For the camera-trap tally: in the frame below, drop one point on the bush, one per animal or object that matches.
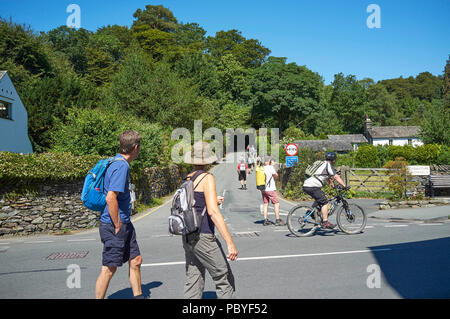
(95, 131)
(400, 179)
(26, 170)
(366, 156)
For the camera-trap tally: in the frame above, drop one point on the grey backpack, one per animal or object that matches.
(184, 220)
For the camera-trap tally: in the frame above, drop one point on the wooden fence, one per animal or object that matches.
(365, 179)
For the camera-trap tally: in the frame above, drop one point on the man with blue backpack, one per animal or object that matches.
(116, 230)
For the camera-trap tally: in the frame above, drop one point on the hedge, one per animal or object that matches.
(26, 170)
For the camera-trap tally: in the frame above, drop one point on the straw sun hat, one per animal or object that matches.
(200, 154)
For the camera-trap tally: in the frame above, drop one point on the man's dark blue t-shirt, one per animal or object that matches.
(116, 179)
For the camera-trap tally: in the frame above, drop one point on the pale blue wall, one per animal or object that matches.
(13, 133)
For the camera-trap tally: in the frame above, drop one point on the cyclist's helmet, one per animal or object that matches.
(330, 156)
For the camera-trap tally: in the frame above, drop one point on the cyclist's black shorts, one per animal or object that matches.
(317, 194)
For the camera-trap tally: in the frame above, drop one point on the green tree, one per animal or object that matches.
(435, 127)
(156, 17)
(249, 52)
(283, 94)
(72, 43)
(48, 100)
(347, 101)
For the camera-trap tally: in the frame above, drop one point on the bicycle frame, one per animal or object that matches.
(335, 201)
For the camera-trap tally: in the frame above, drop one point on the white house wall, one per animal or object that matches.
(397, 141)
(14, 132)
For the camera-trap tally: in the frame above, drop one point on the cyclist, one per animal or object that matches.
(313, 185)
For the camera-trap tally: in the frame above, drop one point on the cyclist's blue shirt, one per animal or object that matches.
(116, 180)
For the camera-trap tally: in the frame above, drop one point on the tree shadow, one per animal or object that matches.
(127, 293)
(417, 269)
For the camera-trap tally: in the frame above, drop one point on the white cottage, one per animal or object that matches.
(13, 119)
(392, 135)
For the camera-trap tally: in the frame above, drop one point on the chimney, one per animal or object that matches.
(368, 128)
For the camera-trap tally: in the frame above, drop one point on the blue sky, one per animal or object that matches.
(328, 36)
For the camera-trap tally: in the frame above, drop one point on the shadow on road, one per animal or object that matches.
(417, 269)
(128, 293)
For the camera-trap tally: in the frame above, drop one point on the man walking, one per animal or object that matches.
(116, 230)
(270, 193)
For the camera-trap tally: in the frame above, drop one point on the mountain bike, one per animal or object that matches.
(303, 221)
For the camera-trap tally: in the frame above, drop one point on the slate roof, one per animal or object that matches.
(323, 145)
(351, 138)
(394, 131)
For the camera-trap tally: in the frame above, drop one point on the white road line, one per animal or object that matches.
(281, 256)
(39, 242)
(81, 239)
(431, 224)
(4, 243)
(393, 226)
(369, 227)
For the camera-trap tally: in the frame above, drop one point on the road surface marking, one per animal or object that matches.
(4, 243)
(81, 239)
(393, 226)
(431, 224)
(281, 256)
(39, 242)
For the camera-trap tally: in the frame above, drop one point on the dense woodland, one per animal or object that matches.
(81, 88)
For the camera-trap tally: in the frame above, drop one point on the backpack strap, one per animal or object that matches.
(194, 177)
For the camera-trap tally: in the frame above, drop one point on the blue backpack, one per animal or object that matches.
(92, 195)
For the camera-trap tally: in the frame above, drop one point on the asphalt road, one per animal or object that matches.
(389, 260)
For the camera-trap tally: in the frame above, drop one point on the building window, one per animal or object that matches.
(5, 110)
(390, 141)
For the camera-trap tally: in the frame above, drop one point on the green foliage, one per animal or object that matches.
(436, 124)
(48, 100)
(400, 179)
(97, 131)
(282, 93)
(25, 170)
(156, 17)
(366, 156)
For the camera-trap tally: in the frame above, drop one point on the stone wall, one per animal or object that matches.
(412, 203)
(56, 208)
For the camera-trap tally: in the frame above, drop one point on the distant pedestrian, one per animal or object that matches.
(242, 170)
(251, 163)
(203, 251)
(269, 194)
(116, 230)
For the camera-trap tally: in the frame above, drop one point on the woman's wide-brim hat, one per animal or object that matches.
(200, 154)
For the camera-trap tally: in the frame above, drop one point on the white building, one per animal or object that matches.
(392, 135)
(13, 119)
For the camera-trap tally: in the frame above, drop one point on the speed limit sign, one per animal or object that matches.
(291, 149)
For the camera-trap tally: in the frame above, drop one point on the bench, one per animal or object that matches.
(438, 181)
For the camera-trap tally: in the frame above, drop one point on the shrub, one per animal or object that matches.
(18, 171)
(400, 179)
(366, 156)
(95, 131)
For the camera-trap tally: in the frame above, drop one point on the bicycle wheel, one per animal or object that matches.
(300, 223)
(352, 221)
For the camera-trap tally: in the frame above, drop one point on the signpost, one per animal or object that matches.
(291, 151)
(419, 170)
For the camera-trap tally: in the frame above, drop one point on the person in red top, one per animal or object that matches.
(243, 172)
